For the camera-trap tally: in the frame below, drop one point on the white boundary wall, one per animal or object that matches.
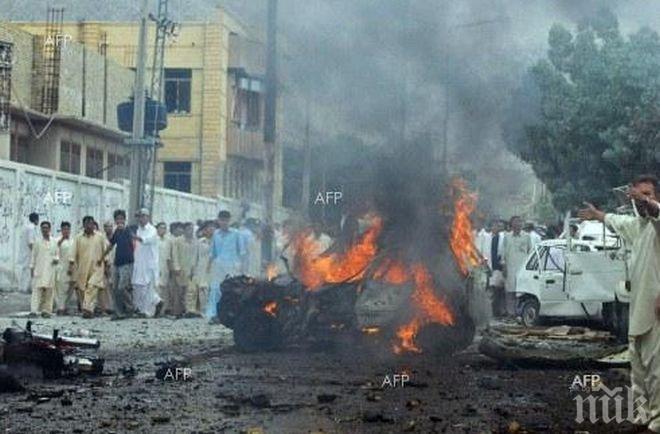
(59, 196)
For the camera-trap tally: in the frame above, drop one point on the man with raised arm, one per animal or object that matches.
(641, 233)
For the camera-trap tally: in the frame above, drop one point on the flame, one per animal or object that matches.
(406, 334)
(429, 308)
(462, 239)
(271, 308)
(393, 272)
(314, 270)
(271, 272)
(424, 297)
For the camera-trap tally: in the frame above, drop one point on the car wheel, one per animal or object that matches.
(529, 312)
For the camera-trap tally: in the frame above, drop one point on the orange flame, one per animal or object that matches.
(271, 308)
(429, 309)
(462, 240)
(393, 272)
(271, 272)
(314, 271)
(433, 308)
(406, 334)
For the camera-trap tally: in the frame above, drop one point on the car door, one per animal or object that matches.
(552, 264)
(594, 276)
(527, 279)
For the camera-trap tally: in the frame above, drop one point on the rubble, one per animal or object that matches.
(550, 346)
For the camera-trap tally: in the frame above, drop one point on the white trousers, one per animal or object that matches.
(145, 298)
(644, 353)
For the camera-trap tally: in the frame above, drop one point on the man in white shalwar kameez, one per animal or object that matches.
(29, 234)
(517, 245)
(145, 267)
(534, 236)
(65, 282)
(641, 233)
(43, 266)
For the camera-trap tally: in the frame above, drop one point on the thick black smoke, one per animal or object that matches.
(390, 71)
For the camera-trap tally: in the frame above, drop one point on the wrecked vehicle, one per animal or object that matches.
(272, 315)
(53, 355)
(576, 279)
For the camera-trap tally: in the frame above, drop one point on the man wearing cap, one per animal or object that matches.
(145, 267)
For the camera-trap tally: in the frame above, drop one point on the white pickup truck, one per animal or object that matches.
(579, 278)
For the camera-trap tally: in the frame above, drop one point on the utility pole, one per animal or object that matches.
(270, 123)
(164, 29)
(445, 133)
(137, 142)
(307, 165)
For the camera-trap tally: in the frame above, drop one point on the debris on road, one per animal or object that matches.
(9, 383)
(561, 345)
(54, 355)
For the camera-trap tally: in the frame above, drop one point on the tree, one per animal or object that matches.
(595, 108)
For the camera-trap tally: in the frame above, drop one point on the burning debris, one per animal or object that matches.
(401, 282)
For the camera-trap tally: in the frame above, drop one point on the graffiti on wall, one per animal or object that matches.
(58, 198)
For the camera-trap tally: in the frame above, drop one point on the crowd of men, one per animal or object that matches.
(141, 270)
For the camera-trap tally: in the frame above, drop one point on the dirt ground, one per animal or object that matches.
(338, 391)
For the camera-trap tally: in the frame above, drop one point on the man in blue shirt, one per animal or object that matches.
(227, 257)
(122, 242)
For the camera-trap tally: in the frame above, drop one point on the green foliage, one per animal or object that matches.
(596, 119)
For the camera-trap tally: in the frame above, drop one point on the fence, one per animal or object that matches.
(59, 196)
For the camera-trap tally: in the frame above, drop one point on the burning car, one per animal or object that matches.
(375, 289)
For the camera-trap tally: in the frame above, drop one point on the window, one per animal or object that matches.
(118, 166)
(94, 163)
(70, 157)
(177, 176)
(554, 260)
(177, 90)
(533, 263)
(19, 150)
(246, 112)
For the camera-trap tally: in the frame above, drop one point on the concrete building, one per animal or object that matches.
(73, 129)
(213, 88)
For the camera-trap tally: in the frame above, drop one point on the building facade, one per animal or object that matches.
(214, 93)
(62, 106)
